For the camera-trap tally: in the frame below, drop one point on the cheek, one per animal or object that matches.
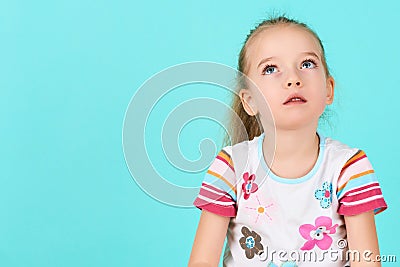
(268, 97)
(317, 83)
(322, 101)
(269, 107)
(264, 100)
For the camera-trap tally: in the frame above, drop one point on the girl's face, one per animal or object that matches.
(285, 64)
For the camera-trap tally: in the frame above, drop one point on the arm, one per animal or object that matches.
(209, 240)
(361, 236)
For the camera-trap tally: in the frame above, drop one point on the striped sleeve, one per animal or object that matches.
(358, 188)
(218, 192)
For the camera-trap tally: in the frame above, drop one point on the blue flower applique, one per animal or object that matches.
(324, 195)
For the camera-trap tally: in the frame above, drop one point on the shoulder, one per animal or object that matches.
(247, 151)
(346, 156)
(357, 186)
(243, 149)
(342, 160)
(336, 146)
(338, 152)
(241, 155)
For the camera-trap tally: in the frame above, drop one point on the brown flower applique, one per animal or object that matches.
(251, 243)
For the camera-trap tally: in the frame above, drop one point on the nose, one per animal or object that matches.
(289, 84)
(293, 80)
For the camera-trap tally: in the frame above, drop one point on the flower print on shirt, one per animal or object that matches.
(251, 243)
(260, 210)
(249, 186)
(318, 234)
(324, 195)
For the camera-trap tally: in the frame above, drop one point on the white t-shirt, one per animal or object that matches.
(289, 222)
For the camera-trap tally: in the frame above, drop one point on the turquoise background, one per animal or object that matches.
(68, 70)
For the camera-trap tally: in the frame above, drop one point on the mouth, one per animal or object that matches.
(295, 99)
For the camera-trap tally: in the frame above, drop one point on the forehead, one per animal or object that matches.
(282, 41)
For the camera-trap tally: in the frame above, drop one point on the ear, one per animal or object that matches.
(247, 102)
(330, 90)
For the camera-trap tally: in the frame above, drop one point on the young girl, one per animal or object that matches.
(289, 196)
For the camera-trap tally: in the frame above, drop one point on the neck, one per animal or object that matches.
(283, 146)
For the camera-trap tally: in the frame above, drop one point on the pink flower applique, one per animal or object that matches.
(318, 234)
(249, 186)
(260, 210)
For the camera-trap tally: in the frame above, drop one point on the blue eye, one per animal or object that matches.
(308, 64)
(269, 69)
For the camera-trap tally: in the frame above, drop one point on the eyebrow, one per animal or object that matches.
(303, 53)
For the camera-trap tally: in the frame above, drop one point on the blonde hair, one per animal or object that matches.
(252, 126)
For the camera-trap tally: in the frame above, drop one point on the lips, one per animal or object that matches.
(295, 99)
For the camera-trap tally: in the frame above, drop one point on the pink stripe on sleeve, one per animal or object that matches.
(226, 211)
(362, 195)
(216, 201)
(376, 204)
(215, 196)
(362, 199)
(362, 188)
